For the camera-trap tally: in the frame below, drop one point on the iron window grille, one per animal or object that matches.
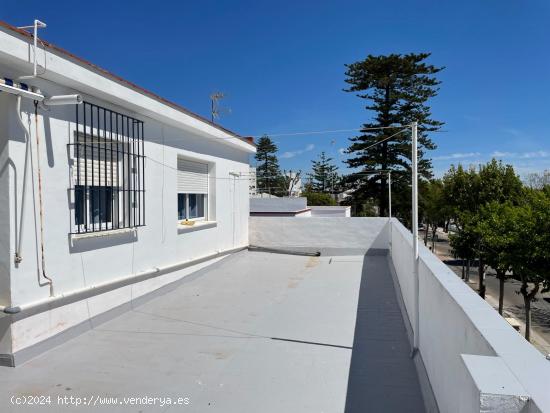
(108, 171)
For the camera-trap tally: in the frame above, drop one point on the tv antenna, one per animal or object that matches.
(215, 108)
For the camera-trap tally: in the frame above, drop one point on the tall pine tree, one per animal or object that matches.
(268, 174)
(324, 176)
(397, 88)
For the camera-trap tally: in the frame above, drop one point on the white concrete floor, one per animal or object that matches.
(224, 341)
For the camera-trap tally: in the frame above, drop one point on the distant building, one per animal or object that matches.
(253, 190)
(295, 186)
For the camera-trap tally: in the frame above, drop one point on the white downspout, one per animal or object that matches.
(50, 281)
(18, 257)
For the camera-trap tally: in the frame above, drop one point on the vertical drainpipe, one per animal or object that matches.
(40, 200)
(18, 257)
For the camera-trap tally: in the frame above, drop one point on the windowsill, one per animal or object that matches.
(197, 226)
(107, 233)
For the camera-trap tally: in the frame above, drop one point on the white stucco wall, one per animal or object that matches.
(330, 211)
(455, 321)
(74, 264)
(275, 205)
(346, 235)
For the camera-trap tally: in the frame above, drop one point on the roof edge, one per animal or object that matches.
(123, 81)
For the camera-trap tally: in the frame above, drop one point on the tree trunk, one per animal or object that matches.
(527, 303)
(467, 270)
(481, 274)
(434, 233)
(463, 275)
(500, 277)
(426, 235)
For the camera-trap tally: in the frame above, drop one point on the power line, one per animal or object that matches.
(385, 139)
(319, 132)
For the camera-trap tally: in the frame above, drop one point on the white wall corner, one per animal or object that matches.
(490, 386)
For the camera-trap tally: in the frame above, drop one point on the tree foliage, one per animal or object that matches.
(397, 88)
(502, 224)
(268, 174)
(319, 199)
(324, 176)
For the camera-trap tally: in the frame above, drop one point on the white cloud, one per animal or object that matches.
(521, 155)
(537, 154)
(499, 154)
(292, 154)
(458, 155)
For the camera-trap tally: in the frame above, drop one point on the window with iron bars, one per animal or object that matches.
(108, 171)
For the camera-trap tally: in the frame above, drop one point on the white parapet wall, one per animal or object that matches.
(339, 235)
(330, 211)
(474, 359)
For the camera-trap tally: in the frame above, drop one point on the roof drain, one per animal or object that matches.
(283, 251)
(41, 208)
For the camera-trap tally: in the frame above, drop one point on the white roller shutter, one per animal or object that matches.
(192, 177)
(94, 163)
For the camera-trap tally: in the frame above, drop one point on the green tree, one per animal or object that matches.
(497, 229)
(532, 249)
(432, 207)
(318, 199)
(464, 244)
(268, 174)
(497, 183)
(460, 192)
(397, 88)
(324, 176)
(468, 191)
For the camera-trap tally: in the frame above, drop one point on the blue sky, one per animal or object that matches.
(281, 65)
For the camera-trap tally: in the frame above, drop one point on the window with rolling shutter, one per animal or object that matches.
(95, 162)
(192, 177)
(192, 188)
(108, 166)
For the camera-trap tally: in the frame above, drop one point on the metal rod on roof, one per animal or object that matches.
(414, 156)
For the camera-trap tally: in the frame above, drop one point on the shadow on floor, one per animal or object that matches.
(382, 376)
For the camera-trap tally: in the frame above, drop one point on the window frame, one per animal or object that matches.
(106, 144)
(187, 217)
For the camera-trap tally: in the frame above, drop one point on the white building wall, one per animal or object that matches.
(330, 211)
(73, 263)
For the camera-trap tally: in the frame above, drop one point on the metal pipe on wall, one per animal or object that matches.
(40, 203)
(18, 257)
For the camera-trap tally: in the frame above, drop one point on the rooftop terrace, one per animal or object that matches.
(255, 332)
(271, 332)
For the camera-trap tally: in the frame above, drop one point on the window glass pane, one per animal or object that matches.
(94, 205)
(107, 204)
(79, 202)
(196, 205)
(200, 205)
(101, 198)
(181, 206)
(192, 205)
